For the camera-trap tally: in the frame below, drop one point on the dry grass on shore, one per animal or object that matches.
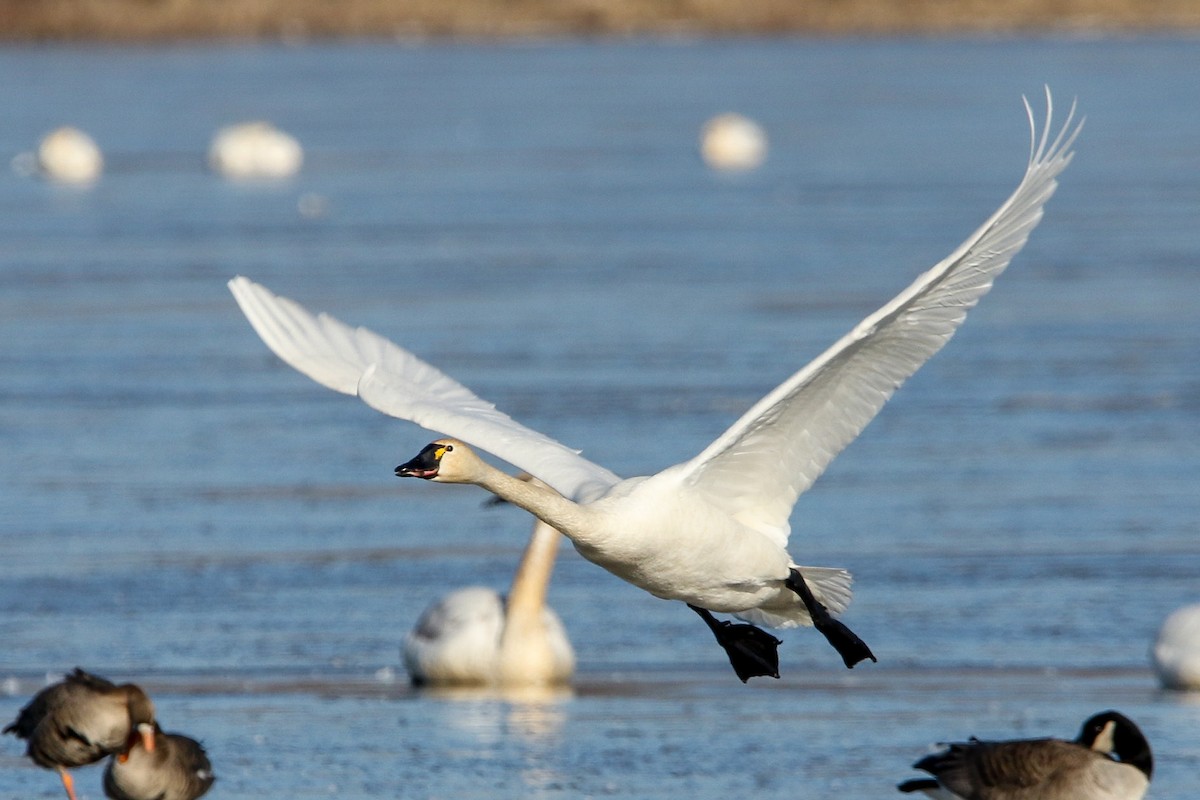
(134, 20)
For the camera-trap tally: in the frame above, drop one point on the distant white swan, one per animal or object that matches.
(254, 150)
(733, 142)
(1109, 760)
(476, 637)
(711, 531)
(1176, 652)
(68, 155)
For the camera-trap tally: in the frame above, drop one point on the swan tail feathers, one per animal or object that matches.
(830, 585)
(831, 588)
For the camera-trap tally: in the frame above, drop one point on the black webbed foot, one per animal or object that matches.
(851, 648)
(752, 651)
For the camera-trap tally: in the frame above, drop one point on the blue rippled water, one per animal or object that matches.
(183, 510)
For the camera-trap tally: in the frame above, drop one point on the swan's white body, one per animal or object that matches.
(1176, 652)
(475, 637)
(711, 531)
(254, 150)
(68, 155)
(733, 142)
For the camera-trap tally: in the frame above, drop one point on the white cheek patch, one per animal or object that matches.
(1105, 742)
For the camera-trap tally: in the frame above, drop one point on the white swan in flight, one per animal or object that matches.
(711, 531)
(476, 637)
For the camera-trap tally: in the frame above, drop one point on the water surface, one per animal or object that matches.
(183, 510)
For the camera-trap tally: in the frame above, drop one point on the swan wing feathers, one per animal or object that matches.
(760, 466)
(415, 396)
(388, 378)
(330, 352)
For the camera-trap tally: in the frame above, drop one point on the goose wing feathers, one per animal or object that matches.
(357, 361)
(1008, 769)
(775, 451)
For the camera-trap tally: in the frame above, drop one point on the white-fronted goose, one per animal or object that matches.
(177, 769)
(82, 719)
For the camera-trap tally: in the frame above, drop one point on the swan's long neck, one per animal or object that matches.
(531, 651)
(527, 653)
(539, 500)
(527, 596)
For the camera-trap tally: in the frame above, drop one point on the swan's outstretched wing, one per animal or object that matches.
(760, 466)
(395, 382)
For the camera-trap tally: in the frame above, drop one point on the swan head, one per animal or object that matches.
(446, 461)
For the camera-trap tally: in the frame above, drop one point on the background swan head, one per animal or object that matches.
(444, 461)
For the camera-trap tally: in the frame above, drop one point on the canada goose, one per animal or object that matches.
(711, 531)
(1176, 652)
(176, 769)
(82, 719)
(732, 142)
(254, 150)
(1110, 760)
(68, 155)
(475, 637)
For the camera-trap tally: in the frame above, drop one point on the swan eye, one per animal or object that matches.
(441, 451)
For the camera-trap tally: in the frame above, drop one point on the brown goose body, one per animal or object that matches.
(1110, 760)
(178, 769)
(80, 720)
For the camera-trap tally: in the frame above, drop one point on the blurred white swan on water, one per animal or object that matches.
(68, 155)
(732, 142)
(476, 637)
(712, 531)
(254, 150)
(1176, 650)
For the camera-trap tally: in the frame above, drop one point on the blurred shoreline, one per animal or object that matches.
(165, 20)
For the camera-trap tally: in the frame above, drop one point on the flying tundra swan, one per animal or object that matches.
(475, 637)
(1109, 760)
(711, 531)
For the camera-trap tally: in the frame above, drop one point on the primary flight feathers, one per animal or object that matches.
(775, 451)
(357, 361)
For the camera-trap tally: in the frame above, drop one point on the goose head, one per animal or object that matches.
(445, 461)
(1115, 735)
(141, 720)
